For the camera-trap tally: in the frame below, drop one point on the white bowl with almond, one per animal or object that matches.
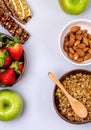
(75, 42)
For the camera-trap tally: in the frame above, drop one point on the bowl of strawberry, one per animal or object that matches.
(12, 60)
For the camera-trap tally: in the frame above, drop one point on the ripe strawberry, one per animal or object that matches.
(18, 66)
(5, 58)
(7, 62)
(8, 77)
(21, 67)
(16, 51)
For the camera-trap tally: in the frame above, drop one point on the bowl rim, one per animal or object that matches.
(24, 65)
(75, 71)
(59, 38)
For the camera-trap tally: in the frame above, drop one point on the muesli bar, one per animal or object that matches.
(12, 26)
(18, 9)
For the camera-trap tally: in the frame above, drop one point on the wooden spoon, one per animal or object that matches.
(79, 109)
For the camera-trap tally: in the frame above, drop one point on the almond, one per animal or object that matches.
(78, 37)
(66, 43)
(78, 32)
(74, 48)
(89, 42)
(66, 39)
(85, 49)
(80, 59)
(71, 43)
(66, 48)
(75, 56)
(87, 57)
(85, 40)
(85, 35)
(89, 36)
(77, 42)
(71, 50)
(89, 51)
(81, 46)
(70, 55)
(72, 37)
(80, 52)
(84, 31)
(75, 28)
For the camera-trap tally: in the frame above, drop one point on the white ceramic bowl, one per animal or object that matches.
(84, 24)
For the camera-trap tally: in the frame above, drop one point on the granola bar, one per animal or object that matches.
(18, 9)
(12, 26)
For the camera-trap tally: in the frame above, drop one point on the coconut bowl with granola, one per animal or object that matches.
(78, 84)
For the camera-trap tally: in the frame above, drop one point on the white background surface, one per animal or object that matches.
(43, 55)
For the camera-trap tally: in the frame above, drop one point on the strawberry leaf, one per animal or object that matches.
(2, 70)
(13, 42)
(2, 36)
(1, 62)
(15, 65)
(5, 54)
(16, 39)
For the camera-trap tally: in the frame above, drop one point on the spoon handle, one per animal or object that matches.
(53, 77)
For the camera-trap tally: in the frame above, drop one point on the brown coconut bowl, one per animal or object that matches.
(22, 59)
(56, 102)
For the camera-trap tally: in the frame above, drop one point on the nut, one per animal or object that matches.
(89, 51)
(77, 44)
(85, 49)
(84, 31)
(78, 37)
(87, 57)
(89, 36)
(70, 55)
(85, 40)
(75, 28)
(80, 52)
(80, 59)
(71, 50)
(81, 46)
(75, 56)
(78, 32)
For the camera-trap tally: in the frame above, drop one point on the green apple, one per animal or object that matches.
(74, 6)
(11, 105)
